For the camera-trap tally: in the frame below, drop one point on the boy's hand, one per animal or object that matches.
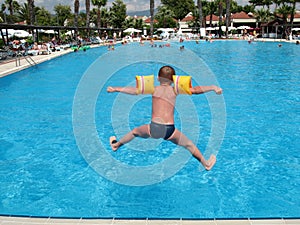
(218, 90)
(111, 89)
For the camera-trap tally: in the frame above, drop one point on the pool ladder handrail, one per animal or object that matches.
(26, 57)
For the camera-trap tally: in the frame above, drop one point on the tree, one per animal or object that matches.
(31, 12)
(195, 23)
(165, 17)
(81, 19)
(246, 9)
(284, 11)
(151, 17)
(180, 7)
(3, 14)
(133, 22)
(227, 16)
(12, 6)
(63, 12)
(99, 4)
(220, 17)
(87, 9)
(117, 13)
(293, 10)
(23, 13)
(263, 15)
(200, 12)
(43, 17)
(256, 2)
(76, 13)
(212, 9)
(105, 17)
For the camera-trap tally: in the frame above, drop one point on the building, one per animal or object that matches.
(243, 19)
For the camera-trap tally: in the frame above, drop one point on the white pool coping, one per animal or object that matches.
(10, 220)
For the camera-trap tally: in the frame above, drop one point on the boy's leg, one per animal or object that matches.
(142, 131)
(180, 139)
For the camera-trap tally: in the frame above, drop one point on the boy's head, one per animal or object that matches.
(165, 74)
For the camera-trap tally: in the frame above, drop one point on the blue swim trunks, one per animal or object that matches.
(164, 131)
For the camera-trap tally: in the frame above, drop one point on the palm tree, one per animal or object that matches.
(76, 12)
(293, 11)
(105, 15)
(23, 13)
(87, 8)
(220, 17)
(256, 2)
(3, 8)
(284, 11)
(31, 16)
(164, 16)
(43, 16)
(151, 17)
(12, 6)
(268, 3)
(212, 8)
(227, 16)
(200, 11)
(99, 4)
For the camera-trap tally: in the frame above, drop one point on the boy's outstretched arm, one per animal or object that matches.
(126, 90)
(204, 89)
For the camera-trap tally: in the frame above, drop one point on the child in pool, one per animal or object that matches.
(162, 122)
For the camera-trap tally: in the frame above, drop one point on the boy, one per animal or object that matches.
(162, 121)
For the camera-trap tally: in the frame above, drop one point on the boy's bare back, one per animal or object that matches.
(163, 104)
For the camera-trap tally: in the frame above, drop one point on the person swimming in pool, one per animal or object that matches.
(162, 121)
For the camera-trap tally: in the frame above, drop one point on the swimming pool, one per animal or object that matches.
(45, 172)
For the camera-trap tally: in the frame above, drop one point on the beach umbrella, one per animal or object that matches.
(243, 27)
(21, 33)
(132, 30)
(229, 28)
(50, 32)
(210, 28)
(69, 33)
(166, 29)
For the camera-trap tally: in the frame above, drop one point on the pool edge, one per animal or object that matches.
(18, 220)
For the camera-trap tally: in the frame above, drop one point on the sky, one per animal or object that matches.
(132, 5)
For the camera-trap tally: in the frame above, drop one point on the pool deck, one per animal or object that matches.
(46, 221)
(16, 64)
(9, 66)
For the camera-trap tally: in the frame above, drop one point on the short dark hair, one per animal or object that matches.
(166, 72)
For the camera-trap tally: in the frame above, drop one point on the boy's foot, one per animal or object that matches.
(112, 142)
(210, 162)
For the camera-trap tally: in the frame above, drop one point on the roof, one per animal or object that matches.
(214, 18)
(241, 15)
(187, 19)
(148, 20)
(296, 15)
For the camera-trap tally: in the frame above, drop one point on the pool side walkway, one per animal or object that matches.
(16, 64)
(47, 221)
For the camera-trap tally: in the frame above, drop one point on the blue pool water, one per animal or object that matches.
(55, 159)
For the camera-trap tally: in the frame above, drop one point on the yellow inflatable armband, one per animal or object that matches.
(182, 84)
(145, 84)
